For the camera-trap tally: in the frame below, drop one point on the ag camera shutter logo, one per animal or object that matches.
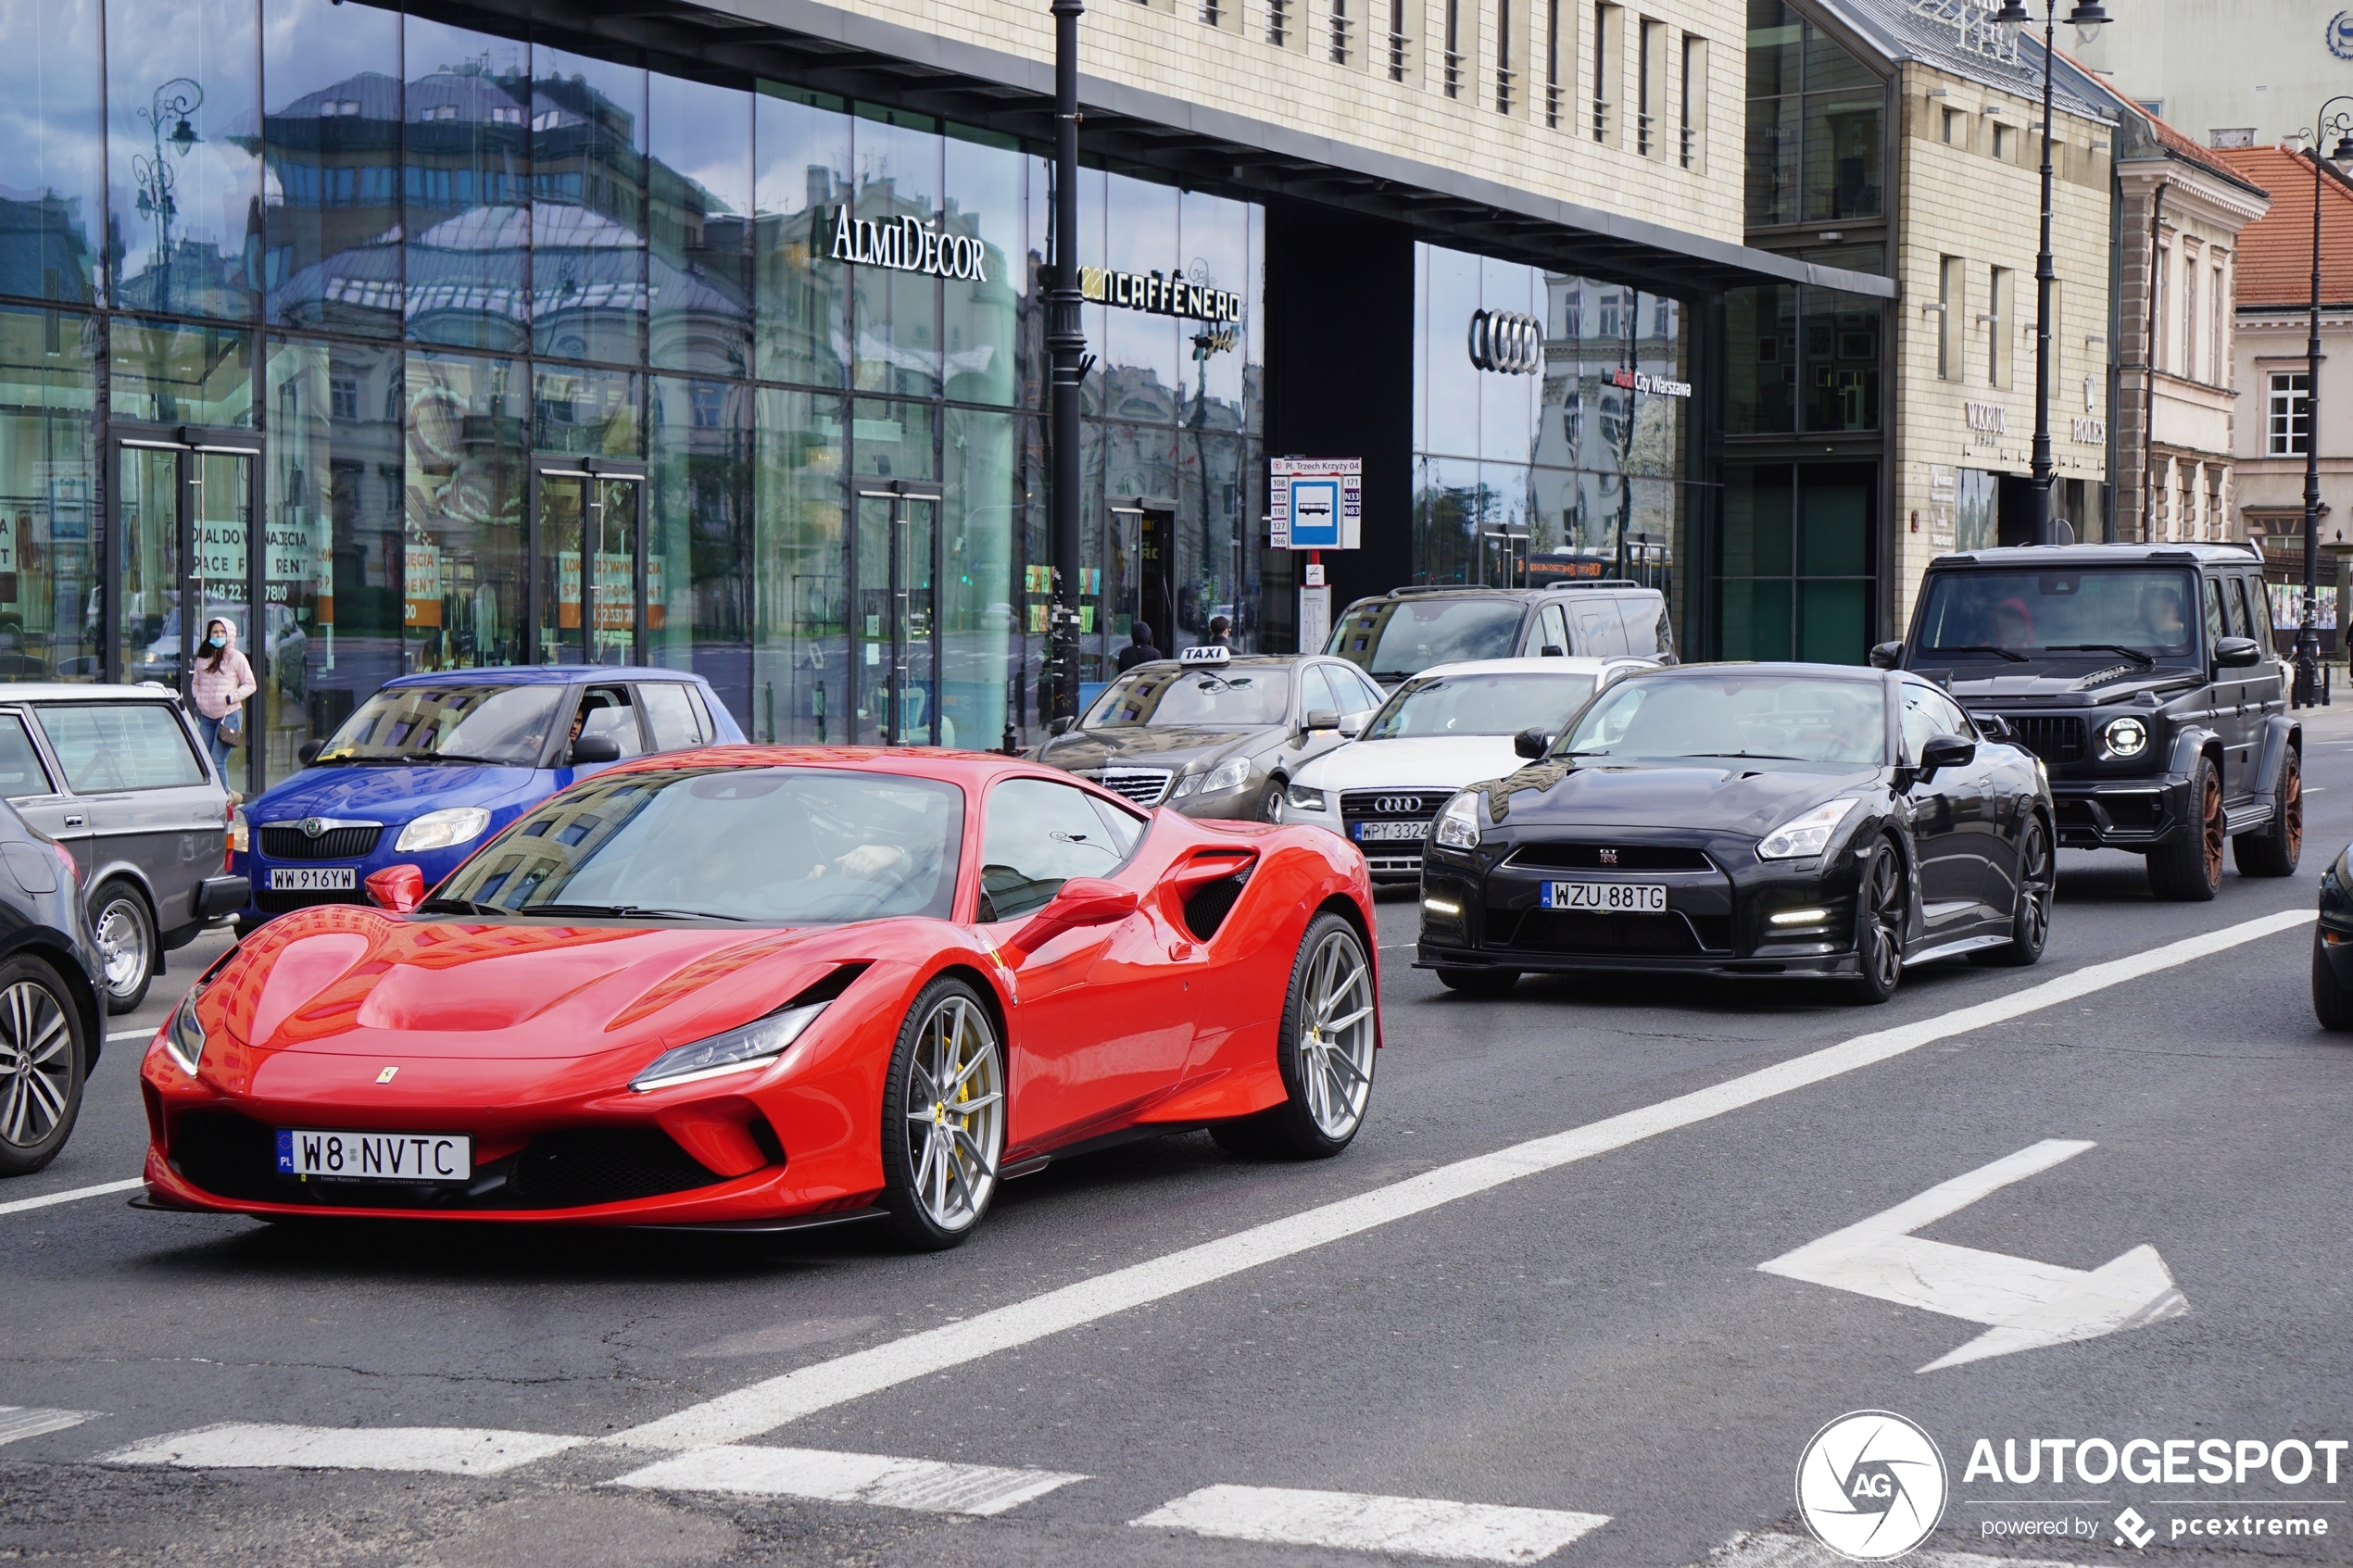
(1871, 1486)
(1511, 344)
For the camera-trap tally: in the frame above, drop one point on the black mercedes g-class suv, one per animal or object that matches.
(2144, 678)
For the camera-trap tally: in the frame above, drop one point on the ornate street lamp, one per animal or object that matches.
(2308, 636)
(1065, 348)
(2013, 18)
(158, 190)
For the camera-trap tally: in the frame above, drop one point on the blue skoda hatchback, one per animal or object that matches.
(431, 765)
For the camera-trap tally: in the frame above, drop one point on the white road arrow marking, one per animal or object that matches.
(2027, 1305)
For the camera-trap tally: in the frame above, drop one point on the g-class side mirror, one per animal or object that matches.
(2233, 653)
(1888, 655)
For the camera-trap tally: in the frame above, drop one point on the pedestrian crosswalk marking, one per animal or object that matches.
(877, 1479)
(1462, 1532)
(19, 1421)
(450, 1451)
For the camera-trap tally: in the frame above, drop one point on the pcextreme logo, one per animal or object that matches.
(1871, 1486)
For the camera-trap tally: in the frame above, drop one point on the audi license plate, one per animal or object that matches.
(313, 879)
(1392, 832)
(1609, 898)
(386, 1157)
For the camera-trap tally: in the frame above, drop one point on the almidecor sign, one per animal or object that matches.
(908, 245)
(1158, 294)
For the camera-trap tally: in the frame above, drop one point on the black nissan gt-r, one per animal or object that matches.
(1747, 819)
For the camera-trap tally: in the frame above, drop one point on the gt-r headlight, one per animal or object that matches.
(1230, 774)
(439, 829)
(1808, 833)
(739, 1050)
(1458, 824)
(1299, 797)
(184, 1037)
(2127, 736)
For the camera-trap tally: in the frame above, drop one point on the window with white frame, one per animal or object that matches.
(2287, 414)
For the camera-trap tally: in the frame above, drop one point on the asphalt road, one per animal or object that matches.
(1582, 1329)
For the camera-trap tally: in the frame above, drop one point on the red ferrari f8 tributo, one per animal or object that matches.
(757, 987)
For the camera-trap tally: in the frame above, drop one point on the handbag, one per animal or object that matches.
(233, 727)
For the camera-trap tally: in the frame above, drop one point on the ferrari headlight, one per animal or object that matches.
(439, 829)
(1299, 797)
(1458, 824)
(1806, 834)
(2126, 737)
(184, 1037)
(1226, 775)
(739, 1050)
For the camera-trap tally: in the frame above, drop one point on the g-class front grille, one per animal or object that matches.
(2052, 737)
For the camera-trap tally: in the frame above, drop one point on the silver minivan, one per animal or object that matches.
(118, 775)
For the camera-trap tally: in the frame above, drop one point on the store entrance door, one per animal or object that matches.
(183, 504)
(588, 563)
(894, 673)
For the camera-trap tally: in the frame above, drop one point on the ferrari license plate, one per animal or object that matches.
(1392, 832)
(313, 879)
(372, 1157)
(1609, 898)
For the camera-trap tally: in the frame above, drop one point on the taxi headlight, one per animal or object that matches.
(739, 1050)
(1458, 824)
(2127, 736)
(1808, 833)
(439, 829)
(1299, 797)
(1226, 775)
(184, 1037)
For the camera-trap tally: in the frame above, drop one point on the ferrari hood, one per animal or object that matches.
(387, 793)
(1717, 800)
(1415, 762)
(345, 980)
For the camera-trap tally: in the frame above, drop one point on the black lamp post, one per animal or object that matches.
(158, 190)
(1065, 346)
(2013, 15)
(2308, 636)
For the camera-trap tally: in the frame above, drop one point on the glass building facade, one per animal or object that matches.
(407, 345)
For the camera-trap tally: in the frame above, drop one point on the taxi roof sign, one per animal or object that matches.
(1204, 653)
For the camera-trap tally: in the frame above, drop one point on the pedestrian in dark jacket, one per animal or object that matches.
(1140, 649)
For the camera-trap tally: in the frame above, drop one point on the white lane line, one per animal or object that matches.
(878, 1479)
(17, 1421)
(1465, 1532)
(132, 1034)
(71, 1195)
(764, 1406)
(1769, 1549)
(451, 1450)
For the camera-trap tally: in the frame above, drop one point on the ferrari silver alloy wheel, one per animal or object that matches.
(1336, 1034)
(36, 1064)
(121, 936)
(955, 1112)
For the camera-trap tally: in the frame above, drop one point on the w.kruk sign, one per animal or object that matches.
(908, 245)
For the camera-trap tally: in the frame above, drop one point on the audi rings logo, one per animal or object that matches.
(1501, 340)
(1397, 804)
(1871, 1486)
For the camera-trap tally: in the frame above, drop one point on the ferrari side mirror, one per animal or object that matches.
(397, 888)
(1084, 900)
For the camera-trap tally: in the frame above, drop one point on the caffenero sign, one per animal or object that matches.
(908, 245)
(1158, 294)
(1509, 345)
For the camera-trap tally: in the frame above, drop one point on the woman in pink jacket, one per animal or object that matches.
(222, 681)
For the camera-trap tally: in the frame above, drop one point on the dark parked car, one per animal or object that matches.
(2333, 946)
(1746, 819)
(2143, 677)
(52, 1021)
(1406, 631)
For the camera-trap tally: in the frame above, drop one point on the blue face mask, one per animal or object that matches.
(217, 640)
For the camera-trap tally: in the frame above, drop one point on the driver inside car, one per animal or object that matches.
(2161, 617)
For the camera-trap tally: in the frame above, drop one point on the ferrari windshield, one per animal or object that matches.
(1479, 705)
(1394, 637)
(1234, 697)
(453, 724)
(770, 846)
(2149, 611)
(1731, 717)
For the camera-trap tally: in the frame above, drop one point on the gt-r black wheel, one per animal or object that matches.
(43, 1059)
(2031, 917)
(2276, 849)
(943, 1131)
(2189, 869)
(1478, 981)
(1879, 909)
(2332, 1003)
(1325, 1052)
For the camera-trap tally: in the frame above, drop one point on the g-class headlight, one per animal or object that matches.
(739, 1050)
(1806, 834)
(439, 829)
(2127, 736)
(1458, 824)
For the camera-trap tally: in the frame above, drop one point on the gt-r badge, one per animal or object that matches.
(386, 1076)
(1609, 857)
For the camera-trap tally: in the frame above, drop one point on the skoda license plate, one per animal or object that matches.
(1392, 832)
(313, 879)
(376, 1156)
(1607, 898)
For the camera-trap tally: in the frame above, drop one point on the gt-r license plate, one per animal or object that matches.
(373, 1157)
(313, 879)
(1608, 897)
(1392, 832)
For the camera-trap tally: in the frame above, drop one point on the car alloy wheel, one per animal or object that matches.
(40, 1067)
(2189, 869)
(2279, 847)
(1880, 928)
(126, 949)
(2031, 919)
(1325, 1052)
(948, 1101)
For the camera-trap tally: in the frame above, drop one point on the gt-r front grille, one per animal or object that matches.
(286, 843)
(2053, 737)
(1613, 857)
(1145, 787)
(1671, 934)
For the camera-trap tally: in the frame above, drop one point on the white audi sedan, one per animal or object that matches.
(1448, 726)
